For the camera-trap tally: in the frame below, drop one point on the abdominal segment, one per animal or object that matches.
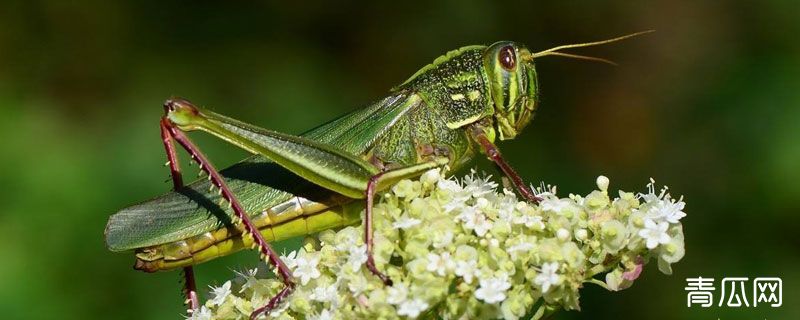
(295, 217)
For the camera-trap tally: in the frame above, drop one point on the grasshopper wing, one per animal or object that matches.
(257, 182)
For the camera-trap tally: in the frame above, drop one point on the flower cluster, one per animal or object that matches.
(460, 249)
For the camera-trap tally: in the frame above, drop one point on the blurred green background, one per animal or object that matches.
(709, 105)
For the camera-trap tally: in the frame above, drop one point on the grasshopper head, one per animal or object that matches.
(513, 86)
(513, 83)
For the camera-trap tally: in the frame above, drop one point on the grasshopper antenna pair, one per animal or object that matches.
(555, 51)
(363, 182)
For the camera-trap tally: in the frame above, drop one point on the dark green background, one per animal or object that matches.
(710, 105)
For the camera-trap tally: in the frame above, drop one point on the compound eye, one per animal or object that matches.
(507, 58)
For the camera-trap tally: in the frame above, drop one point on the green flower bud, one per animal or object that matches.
(613, 235)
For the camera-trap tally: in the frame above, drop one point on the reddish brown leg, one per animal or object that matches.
(371, 187)
(494, 154)
(190, 289)
(264, 248)
(189, 286)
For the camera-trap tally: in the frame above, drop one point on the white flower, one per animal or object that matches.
(581, 234)
(554, 204)
(307, 268)
(349, 239)
(441, 240)
(493, 290)
(431, 176)
(668, 209)
(405, 222)
(562, 234)
(467, 270)
(548, 276)
(654, 233)
(357, 284)
(449, 185)
(357, 257)
(249, 277)
(397, 293)
(289, 259)
(477, 186)
(412, 308)
(522, 246)
(406, 189)
(325, 294)
(530, 220)
(440, 263)
(278, 311)
(458, 202)
(324, 315)
(506, 205)
(220, 293)
(474, 220)
(204, 313)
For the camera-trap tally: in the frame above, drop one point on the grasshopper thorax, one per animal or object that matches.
(512, 85)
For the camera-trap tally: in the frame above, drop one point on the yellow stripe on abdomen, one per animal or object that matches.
(295, 217)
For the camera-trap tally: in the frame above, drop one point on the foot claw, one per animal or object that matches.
(371, 266)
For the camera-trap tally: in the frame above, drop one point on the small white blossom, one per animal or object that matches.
(467, 270)
(278, 311)
(324, 315)
(449, 185)
(562, 234)
(249, 277)
(581, 234)
(357, 285)
(290, 259)
(530, 221)
(307, 268)
(668, 210)
(440, 263)
(405, 222)
(457, 203)
(443, 240)
(204, 313)
(493, 290)
(475, 220)
(519, 247)
(548, 276)
(478, 186)
(431, 176)
(554, 204)
(505, 208)
(326, 294)
(412, 308)
(654, 233)
(349, 238)
(220, 293)
(357, 257)
(397, 293)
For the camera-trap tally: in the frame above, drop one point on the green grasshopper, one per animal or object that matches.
(294, 185)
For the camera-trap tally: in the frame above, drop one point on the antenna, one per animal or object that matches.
(555, 51)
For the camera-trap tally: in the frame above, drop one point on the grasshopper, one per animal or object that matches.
(443, 115)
